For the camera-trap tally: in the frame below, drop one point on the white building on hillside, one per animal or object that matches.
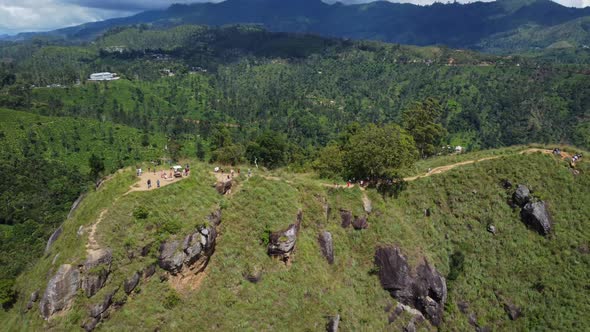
(104, 77)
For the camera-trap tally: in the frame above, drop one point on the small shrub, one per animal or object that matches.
(171, 300)
(457, 260)
(141, 213)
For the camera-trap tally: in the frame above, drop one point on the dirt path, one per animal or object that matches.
(446, 168)
(141, 184)
(92, 245)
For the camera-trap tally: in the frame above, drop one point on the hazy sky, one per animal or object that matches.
(38, 15)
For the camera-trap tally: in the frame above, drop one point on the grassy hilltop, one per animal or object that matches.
(547, 277)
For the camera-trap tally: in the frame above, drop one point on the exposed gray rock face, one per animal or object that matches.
(171, 256)
(98, 309)
(130, 284)
(149, 271)
(53, 238)
(90, 324)
(513, 311)
(522, 195)
(215, 217)
(195, 247)
(360, 223)
(346, 217)
(367, 206)
(282, 243)
(425, 289)
(223, 187)
(96, 270)
(61, 290)
(327, 246)
(192, 247)
(75, 205)
(537, 217)
(333, 324)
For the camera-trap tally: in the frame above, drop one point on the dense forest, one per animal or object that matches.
(238, 94)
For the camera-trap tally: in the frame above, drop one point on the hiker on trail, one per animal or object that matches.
(149, 183)
(140, 172)
(216, 169)
(232, 172)
(238, 172)
(171, 174)
(249, 172)
(348, 184)
(149, 169)
(228, 177)
(158, 183)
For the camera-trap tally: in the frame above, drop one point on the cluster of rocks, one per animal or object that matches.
(534, 213)
(422, 288)
(91, 276)
(281, 244)
(357, 223)
(192, 254)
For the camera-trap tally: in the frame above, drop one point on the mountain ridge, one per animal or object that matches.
(452, 24)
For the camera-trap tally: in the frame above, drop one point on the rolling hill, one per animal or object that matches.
(508, 277)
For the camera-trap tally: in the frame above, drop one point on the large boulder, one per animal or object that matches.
(522, 195)
(54, 236)
(333, 323)
(537, 217)
(327, 246)
(423, 289)
(282, 243)
(130, 284)
(99, 308)
(96, 270)
(61, 290)
(192, 247)
(360, 223)
(346, 217)
(171, 256)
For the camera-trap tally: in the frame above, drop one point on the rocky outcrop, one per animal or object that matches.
(346, 217)
(98, 311)
(223, 187)
(214, 218)
(360, 223)
(149, 271)
(537, 217)
(53, 238)
(75, 205)
(171, 257)
(196, 247)
(333, 324)
(282, 243)
(96, 270)
(522, 195)
(423, 288)
(130, 284)
(327, 246)
(60, 291)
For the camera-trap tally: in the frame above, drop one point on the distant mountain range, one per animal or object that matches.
(502, 26)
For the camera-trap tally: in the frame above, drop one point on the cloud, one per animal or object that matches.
(41, 15)
(131, 5)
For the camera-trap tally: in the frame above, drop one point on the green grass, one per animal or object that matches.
(463, 202)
